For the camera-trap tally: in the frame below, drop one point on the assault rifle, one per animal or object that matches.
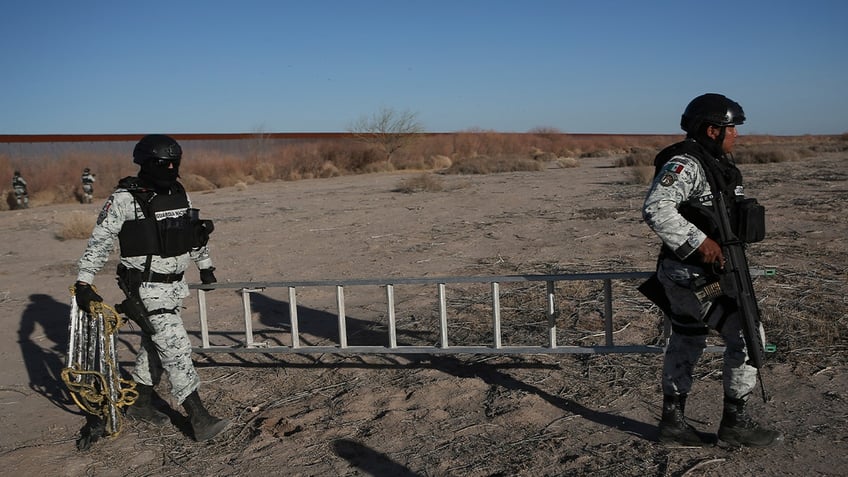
(735, 281)
(132, 306)
(734, 275)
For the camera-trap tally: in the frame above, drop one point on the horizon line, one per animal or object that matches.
(122, 137)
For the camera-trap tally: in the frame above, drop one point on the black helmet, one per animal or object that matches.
(86, 170)
(711, 108)
(157, 146)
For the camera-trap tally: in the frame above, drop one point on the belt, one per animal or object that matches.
(164, 277)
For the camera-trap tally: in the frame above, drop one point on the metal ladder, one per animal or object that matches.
(443, 346)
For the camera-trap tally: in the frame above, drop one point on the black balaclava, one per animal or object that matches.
(159, 175)
(713, 146)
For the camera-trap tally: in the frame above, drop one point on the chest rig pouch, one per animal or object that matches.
(165, 230)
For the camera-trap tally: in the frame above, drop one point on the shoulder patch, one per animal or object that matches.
(104, 211)
(668, 179)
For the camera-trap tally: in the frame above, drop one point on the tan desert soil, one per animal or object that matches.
(446, 415)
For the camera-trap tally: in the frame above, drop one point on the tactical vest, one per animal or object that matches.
(166, 230)
(747, 217)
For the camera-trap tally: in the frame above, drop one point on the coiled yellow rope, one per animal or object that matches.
(92, 389)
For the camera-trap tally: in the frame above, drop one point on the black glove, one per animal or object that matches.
(202, 229)
(207, 276)
(85, 296)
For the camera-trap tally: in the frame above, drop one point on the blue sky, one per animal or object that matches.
(90, 67)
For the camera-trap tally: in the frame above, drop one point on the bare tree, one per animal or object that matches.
(387, 129)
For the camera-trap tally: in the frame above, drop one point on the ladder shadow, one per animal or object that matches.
(320, 324)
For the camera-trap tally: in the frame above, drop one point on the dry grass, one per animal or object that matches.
(421, 183)
(54, 177)
(76, 225)
(490, 165)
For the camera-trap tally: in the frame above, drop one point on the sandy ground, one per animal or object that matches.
(475, 415)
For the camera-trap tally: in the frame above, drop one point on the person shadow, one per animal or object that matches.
(370, 461)
(43, 338)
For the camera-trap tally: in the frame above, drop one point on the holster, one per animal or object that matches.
(654, 291)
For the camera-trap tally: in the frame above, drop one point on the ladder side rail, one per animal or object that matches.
(295, 328)
(551, 314)
(342, 320)
(496, 314)
(204, 323)
(443, 317)
(390, 304)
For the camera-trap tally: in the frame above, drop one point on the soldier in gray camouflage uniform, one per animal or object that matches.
(19, 185)
(88, 179)
(678, 208)
(159, 236)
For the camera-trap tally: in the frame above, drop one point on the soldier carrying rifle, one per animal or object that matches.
(159, 235)
(696, 195)
(19, 185)
(88, 179)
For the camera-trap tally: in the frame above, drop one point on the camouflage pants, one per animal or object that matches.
(691, 321)
(169, 349)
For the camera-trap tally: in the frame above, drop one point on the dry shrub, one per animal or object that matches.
(194, 182)
(765, 155)
(490, 165)
(637, 157)
(328, 169)
(60, 194)
(544, 156)
(421, 183)
(413, 162)
(375, 167)
(264, 172)
(566, 162)
(76, 225)
(441, 162)
(642, 175)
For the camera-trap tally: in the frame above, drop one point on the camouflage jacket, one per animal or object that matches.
(680, 180)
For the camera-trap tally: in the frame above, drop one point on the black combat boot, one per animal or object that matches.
(675, 429)
(204, 425)
(143, 409)
(738, 429)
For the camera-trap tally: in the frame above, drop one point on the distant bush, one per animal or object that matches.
(194, 182)
(490, 165)
(642, 175)
(426, 182)
(765, 155)
(637, 157)
(565, 162)
(76, 225)
(54, 177)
